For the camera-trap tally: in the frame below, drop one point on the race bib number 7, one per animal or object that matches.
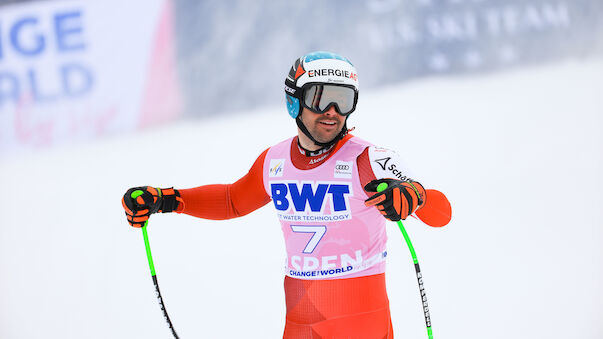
(317, 233)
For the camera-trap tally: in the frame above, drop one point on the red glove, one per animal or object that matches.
(399, 200)
(141, 202)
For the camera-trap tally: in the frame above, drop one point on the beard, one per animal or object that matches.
(325, 133)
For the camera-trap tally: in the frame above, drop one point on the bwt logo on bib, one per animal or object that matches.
(314, 198)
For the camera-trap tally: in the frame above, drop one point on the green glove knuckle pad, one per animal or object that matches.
(136, 194)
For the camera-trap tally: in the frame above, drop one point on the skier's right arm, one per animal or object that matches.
(216, 202)
(219, 202)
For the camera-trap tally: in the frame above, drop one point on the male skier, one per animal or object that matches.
(323, 183)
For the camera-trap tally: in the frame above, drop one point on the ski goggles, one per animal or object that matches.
(319, 98)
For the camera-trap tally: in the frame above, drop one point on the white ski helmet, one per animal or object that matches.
(329, 79)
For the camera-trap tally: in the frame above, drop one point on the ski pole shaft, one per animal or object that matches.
(381, 188)
(419, 280)
(154, 276)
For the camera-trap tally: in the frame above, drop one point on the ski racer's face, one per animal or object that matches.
(323, 127)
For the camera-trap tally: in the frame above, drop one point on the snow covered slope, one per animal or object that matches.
(519, 154)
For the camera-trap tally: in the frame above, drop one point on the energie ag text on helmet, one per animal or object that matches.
(332, 72)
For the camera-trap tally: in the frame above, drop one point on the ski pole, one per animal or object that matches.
(154, 276)
(135, 194)
(382, 186)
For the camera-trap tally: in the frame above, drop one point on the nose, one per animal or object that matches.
(331, 111)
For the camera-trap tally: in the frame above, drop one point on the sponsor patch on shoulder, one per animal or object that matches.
(343, 169)
(383, 162)
(276, 168)
(387, 164)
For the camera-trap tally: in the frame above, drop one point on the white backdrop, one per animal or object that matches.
(519, 155)
(73, 70)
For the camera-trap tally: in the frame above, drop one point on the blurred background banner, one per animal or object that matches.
(67, 72)
(74, 70)
(242, 50)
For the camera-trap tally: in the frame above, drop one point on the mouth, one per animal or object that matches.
(328, 123)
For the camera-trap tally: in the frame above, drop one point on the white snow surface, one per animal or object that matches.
(519, 154)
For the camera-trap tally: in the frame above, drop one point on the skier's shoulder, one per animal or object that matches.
(353, 142)
(283, 143)
(371, 150)
(286, 143)
(387, 163)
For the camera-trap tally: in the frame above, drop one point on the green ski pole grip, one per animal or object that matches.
(136, 194)
(382, 187)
